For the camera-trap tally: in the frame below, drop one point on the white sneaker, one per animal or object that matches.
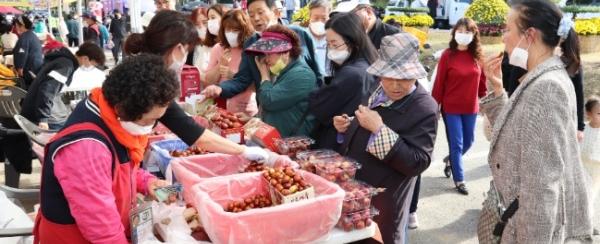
(413, 223)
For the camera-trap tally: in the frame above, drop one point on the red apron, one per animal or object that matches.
(123, 187)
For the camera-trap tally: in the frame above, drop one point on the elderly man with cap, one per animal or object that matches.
(392, 133)
(91, 32)
(373, 25)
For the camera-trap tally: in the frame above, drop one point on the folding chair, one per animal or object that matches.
(10, 105)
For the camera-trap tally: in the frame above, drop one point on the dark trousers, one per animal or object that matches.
(73, 42)
(290, 13)
(415, 196)
(116, 50)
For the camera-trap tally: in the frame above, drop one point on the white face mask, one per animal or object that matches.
(86, 69)
(463, 38)
(135, 129)
(201, 32)
(232, 38)
(338, 56)
(177, 65)
(213, 26)
(519, 56)
(318, 28)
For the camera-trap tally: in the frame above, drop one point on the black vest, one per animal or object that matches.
(54, 205)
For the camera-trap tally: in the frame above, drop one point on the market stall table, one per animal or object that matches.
(337, 235)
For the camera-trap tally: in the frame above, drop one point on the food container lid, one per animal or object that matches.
(335, 163)
(317, 154)
(356, 189)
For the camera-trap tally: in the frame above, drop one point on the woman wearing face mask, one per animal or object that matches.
(28, 50)
(200, 55)
(459, 82)
(91, 169)
(318, 15)
(351, 53)
(534, 154)
(225, 59)
(215, 14)
(392, 133)
(286, 81)
(170, 34)
(88, 76)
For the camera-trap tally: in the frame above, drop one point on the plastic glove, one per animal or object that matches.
(276, 160)
(255, 154)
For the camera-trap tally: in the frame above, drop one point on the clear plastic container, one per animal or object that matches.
(292, 145)
(357, 220)
(337, 169)
(358, 196)
(306, 159)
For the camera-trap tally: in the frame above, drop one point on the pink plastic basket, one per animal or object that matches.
(298, 222)
(191, 170)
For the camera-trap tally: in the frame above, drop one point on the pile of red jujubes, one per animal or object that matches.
(358, 196)
(292, 145)
(193, 150)
(226, 120)
(254, 166)
(257, 201)
(307, 159)
(336, 169)
(285, 180)
(356, 208)
(357, 220)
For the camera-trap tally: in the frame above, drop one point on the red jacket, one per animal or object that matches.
(459, 83)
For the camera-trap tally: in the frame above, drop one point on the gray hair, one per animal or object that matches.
(320, 3)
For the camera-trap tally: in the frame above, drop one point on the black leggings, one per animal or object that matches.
(415, 197)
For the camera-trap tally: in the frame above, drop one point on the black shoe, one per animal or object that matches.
(462, 189)
(448, 168)
(446, 159)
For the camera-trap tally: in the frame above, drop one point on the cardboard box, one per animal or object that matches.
(262, 133)
(190, 82)
(278, 198)
(235, 135)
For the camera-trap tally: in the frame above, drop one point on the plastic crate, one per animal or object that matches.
(159, 156)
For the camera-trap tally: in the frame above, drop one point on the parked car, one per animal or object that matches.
(448, 12)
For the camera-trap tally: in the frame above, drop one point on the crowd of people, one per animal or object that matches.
(344, 78)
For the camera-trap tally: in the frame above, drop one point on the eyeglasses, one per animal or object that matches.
(335, 47)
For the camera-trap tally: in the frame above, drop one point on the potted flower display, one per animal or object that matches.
(490, 16)
(588, 31)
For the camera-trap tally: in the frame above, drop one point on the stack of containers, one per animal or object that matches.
(357, 212)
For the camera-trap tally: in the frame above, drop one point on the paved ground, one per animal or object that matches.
(445, 216)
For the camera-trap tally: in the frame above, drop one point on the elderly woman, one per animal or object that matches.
(91, 167)
(534, 154)
(393, 132)
(286, 81)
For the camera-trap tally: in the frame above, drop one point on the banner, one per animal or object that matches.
(16, 3)
(42, 4)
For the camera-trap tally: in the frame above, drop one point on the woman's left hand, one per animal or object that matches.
(262, 67)
(153, 184)
(368, 119)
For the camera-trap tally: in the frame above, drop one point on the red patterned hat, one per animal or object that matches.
(270, 42)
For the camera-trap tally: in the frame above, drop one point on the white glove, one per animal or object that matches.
(255, 154)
